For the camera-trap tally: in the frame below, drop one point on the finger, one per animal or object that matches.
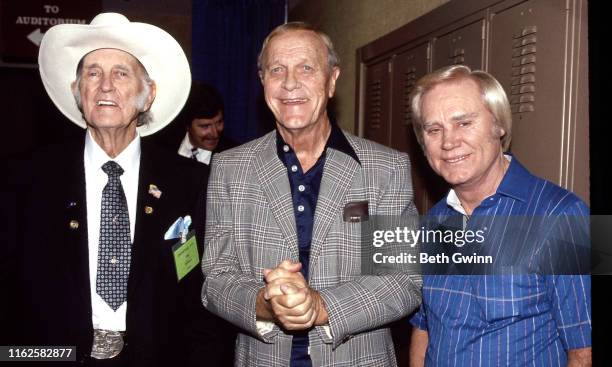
(280, 273)
(297, 303)
(290, 266)
(273, 288)
(277, 282)
(302, 322)
(305, 319)
(288, 288)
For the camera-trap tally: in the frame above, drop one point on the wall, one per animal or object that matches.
(352, 24)
(174, 16)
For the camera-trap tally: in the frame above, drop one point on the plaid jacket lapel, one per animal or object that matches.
(337, 177)
(275, 185)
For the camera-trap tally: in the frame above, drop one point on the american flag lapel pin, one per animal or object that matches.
(156, 192)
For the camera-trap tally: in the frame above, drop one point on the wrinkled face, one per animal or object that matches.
(111, 88)
(296, 79)
(461, 141)
(205, 133)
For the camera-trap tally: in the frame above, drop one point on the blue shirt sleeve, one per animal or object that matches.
(571, 301)
(419, 319)
(571, 294)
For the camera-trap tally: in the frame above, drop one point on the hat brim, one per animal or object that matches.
(64, 45)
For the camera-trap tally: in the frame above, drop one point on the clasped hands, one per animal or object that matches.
(288, 300)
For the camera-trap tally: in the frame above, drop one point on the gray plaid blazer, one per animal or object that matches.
(250, 226)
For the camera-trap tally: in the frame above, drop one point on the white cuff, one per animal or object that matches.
(327, 331)
(264, 327)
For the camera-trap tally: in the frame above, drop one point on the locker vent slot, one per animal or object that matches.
(409, 82)
(375, 104)
(524, 50)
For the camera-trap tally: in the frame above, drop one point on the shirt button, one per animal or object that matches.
(294, 168)
(300, 208)
(301, 188)
(285, 148)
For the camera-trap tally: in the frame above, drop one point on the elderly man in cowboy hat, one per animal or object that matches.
(107, 259)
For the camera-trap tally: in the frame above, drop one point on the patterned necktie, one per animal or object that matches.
(194, 153)
(114, 251)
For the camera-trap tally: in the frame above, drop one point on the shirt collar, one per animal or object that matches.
(186, 148)
(128, 159)
(337, 141)
(453, 201)
(513, 185)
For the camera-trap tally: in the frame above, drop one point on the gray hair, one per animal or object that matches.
(332, 57)
(493, 96)
(144, 117)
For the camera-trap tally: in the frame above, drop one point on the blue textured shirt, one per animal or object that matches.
(304, 194)
(508, 320)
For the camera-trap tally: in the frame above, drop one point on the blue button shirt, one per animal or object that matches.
(503, 320)
(304, 194)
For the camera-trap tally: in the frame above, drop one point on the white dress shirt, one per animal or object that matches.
(453, 200)
(186, 149)
(103, 316)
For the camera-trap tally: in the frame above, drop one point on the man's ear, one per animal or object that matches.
(151, 96)
(499, 131)
(331, 83)
(74, 87)
(261, 76)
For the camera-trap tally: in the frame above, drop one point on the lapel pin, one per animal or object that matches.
(74, 224)
(156, 192)
(148, 210)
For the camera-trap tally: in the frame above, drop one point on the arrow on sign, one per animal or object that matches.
(36, 36)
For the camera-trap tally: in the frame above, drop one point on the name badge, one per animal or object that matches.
(186, 255)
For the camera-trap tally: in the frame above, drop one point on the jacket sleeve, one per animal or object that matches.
(204, 333)
(227, 291)
(371, 301)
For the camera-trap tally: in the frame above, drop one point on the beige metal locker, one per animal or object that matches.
(464, 45)
(408, 67)
(531, 55)
(538, 51)
(378, 102)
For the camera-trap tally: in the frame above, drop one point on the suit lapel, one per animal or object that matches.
(338, 174)
(147, 208)
(275, 185)
(76, 210)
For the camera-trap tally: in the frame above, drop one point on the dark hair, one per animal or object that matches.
(204, 102)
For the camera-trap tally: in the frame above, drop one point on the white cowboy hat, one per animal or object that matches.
(64, 45)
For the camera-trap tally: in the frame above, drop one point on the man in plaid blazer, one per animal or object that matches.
(289, 275)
